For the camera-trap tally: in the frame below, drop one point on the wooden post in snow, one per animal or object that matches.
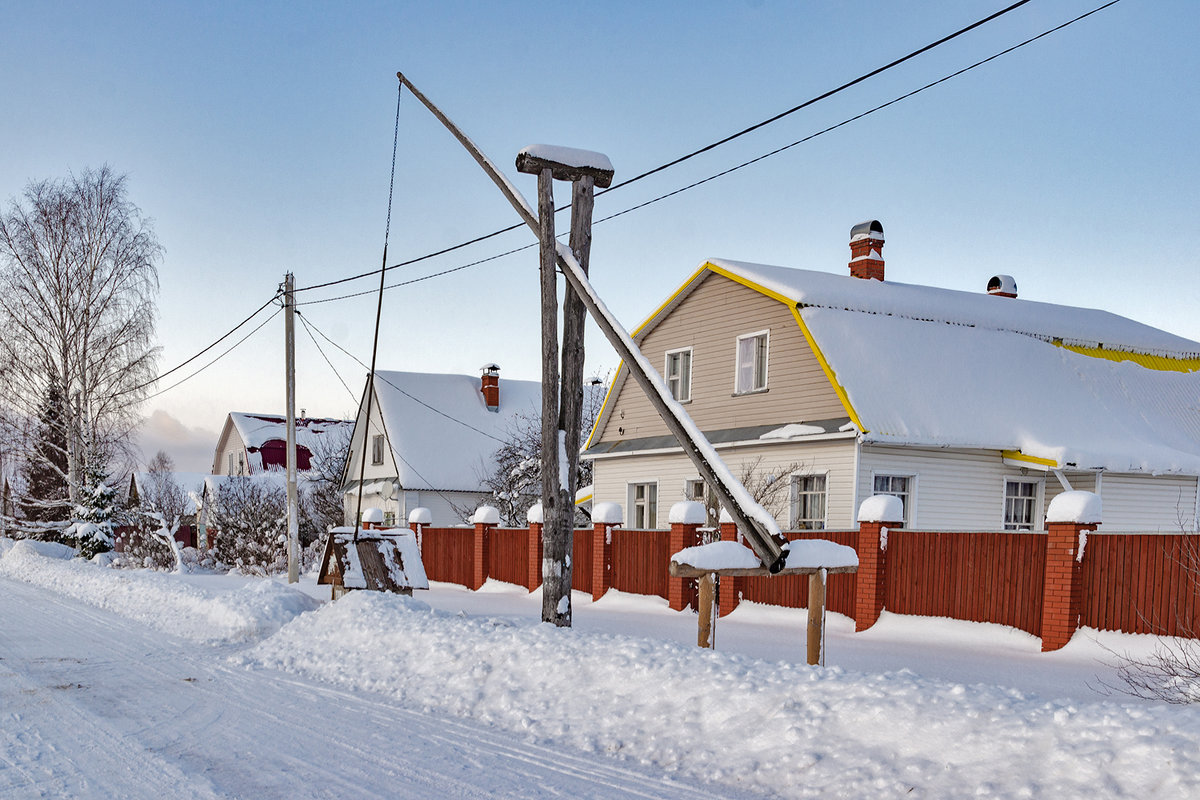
(562, 392)
(706, 636)
(816, 617)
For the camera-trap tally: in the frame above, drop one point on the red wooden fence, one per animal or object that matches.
(1142, 583)
(982, 577)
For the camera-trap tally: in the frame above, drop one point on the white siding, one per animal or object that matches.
(1164, 503)
(672, 471)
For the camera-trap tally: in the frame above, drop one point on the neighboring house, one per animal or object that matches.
(254, 443)
(974, 408)
(142, 486)
(431, 441)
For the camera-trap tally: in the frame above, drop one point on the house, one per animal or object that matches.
(430, 441)
(254, 443)
(975, 409)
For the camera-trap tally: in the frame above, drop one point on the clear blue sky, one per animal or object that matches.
(258, 137)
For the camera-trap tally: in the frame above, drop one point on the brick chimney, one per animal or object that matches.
(489, 384)
(866, 250)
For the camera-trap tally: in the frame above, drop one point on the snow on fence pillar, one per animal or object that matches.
(1070, 516)
(533, 547)
(730, 588)
(686, 519)
(605, 517)
(484, 519)
(418, 518)
(875, 515)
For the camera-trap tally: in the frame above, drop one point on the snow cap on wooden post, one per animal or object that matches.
(566, 163)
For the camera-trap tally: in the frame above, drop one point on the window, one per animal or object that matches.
(808, 503)
(377, 449)
(694, 490)
(899, 485)
(389, 519)
(229, 471)
(1020, 505)
(241, 463)
(751, 363)
(643, 505)
(679, 374)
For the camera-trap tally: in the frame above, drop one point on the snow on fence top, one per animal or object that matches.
(607, 514)
(486, 515)
(568, 156)
(881, 508)
(688, 512)
(420, 516)
(1084, 508)
(535, 515)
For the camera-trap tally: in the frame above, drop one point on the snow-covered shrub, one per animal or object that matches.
(250, 518)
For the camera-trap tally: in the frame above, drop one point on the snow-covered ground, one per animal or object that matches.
(138, 684)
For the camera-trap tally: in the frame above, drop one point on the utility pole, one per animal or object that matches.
(293, 520)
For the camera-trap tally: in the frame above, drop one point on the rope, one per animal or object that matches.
(387, 230)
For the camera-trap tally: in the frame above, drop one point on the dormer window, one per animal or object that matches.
(679, 374)
(751, 374)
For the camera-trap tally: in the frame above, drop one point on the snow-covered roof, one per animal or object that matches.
(936, 367)
(442, 434)
(258, 429)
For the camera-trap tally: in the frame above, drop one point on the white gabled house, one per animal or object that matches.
(254, 443)
(975, 409)
(431, 440)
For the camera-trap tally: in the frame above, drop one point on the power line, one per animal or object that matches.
(215, 360)
(416, 400)
(705, 149)
(708, 179)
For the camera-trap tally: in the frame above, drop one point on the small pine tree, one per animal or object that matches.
(45, 468)
(93, 531)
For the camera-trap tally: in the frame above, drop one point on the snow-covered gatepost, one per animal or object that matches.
(533, 547)
(484, 519)
(562, 405)
(686, 518)
(605, 517)
(1070, 516)
(875, 515)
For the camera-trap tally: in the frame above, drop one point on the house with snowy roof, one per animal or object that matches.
(430, 441)
(253, 443)
(975, 409)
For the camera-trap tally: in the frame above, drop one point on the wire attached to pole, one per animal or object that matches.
(387, 230)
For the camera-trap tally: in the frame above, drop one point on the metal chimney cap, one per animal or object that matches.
(871, 229)
(1004, 285)
(490, 369)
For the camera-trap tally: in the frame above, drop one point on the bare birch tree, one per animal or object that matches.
(78, 286)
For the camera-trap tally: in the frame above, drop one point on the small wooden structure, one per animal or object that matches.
(379, 560)
(816, 594)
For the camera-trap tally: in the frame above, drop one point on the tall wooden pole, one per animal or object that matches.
(556, 574)
(293, 518)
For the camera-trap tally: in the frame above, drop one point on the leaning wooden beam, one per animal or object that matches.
(757, 525)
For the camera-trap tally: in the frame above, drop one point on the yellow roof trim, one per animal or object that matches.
(1163, 363)
(1017, 455)
(733, 276)
(604, 406)
(581, 500)
(829, 373)
(682, 287)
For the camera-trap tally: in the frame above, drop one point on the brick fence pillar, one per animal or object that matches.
(601, 558)
(533, 556)
(681, 591)
(1062, 584)
(872, 573)
(729, 591)
(480, 555)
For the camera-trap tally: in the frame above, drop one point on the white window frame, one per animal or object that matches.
(756, 385)
(684, 392)
(909, 499)
(1035, 516)
(794, 501)
(376, 449)
(229, 468)
(689, 489)
(651, 505)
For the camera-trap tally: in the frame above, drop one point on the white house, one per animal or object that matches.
(254, 443)
(430, 441)
(974, 408)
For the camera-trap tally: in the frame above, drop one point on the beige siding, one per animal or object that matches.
(709, 320)
(672, 471)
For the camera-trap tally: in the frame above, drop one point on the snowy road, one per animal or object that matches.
(93, 705)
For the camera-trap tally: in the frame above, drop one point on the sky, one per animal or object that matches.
(258, 138)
